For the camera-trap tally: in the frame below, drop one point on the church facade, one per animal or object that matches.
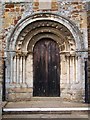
(44, 49)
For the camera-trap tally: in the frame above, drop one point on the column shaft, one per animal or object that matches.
(24, 70)
(21, 70)
(68, 69)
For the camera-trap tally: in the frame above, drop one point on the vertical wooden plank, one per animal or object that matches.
(46, 68)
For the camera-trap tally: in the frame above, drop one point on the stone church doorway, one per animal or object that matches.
(46, 68)
(43, 59)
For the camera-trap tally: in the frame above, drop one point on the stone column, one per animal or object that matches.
(15, 70)
(29, 70)
(21, 69)
(61, 71)
(11, 78)
(24, 70)
(18, 68)
(68, 69)
(74, 68)
(79, 69)
(71, 69)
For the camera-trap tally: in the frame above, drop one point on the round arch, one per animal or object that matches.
(29, 20)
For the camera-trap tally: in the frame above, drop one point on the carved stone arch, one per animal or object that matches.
(45, 35)
(72, 28)
(41, 28)
(42, 31)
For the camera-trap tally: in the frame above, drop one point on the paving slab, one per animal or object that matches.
(44, 104)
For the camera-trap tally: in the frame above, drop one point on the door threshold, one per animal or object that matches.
(46, 98)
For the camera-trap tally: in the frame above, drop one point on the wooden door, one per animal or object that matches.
(46, 69)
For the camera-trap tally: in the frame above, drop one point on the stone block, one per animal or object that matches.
(19, 96)
(36, 1)
(18, 9)
(7, 10)
(9, 6)
(36, 4)
(44, 5)
(20, 90)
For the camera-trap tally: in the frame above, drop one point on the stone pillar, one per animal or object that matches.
(79, 69)
(15, 69)
(24, 70)
(74, 68)
(68, 69)
(18, 68)
(11, 78)
(21, 69)
(29, 70)
(71, 69)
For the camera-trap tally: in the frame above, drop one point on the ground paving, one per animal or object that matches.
(45, 104)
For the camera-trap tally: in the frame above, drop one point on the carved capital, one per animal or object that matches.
(72, 53)
(24, 53)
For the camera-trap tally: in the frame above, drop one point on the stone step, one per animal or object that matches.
(43, 104)
(46, 99)
(60, 111)
(45, 116)
(44, 113)
(44, 107)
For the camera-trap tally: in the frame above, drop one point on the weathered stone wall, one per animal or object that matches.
(88, 19)
(13, 11)
(0, 60)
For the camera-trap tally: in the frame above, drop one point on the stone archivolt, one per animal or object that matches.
(44, 29)
(22, 41)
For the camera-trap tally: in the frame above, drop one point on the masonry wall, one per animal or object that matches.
(13, 11)
(88, 19)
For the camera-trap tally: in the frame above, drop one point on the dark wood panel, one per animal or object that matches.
(46, 68)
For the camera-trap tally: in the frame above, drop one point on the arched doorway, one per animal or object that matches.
(23, 40)
(46, 68)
